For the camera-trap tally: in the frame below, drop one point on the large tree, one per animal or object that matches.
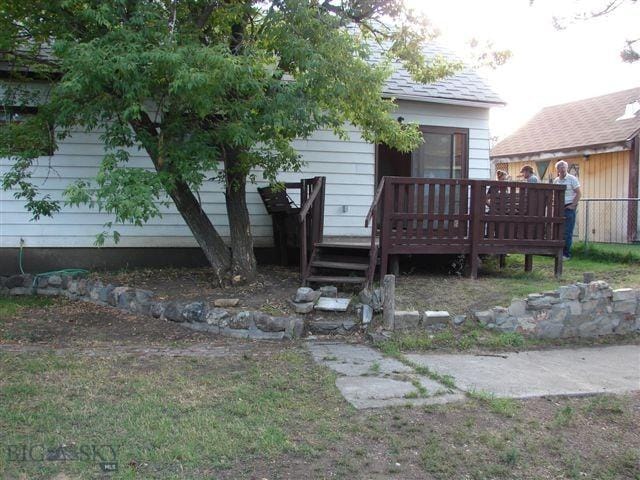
(203, 86)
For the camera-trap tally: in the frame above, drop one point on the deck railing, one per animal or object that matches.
(470, 217)
(311, 218)
(372, 217)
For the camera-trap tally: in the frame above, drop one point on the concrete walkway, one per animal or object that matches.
(369, 380)
(542, 372)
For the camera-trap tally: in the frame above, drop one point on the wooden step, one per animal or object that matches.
(340, 265)
(321, 279)
(357, 256)
(354, 246)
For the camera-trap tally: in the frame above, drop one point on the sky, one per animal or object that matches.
(548, 66)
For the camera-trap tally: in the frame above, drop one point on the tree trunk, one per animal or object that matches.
(204, 232)
(243, 260)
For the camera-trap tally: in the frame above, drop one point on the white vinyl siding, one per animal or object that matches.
(441, 115)
(348, 165)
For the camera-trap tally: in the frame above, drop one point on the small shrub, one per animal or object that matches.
(436, 460)
(564, 416)
(606, 404)
(510, 456)
(502, 406)
(388, 347)
(510, 339)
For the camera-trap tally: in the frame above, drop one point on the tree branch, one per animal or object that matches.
(203, 18)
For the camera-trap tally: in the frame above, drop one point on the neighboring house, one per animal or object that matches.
(600, 140)
(453, 114)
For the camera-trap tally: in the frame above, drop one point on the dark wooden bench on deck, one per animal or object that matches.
(284, 216)
(296, 227)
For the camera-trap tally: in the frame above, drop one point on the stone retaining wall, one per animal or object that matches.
(579, 310)
(196, 315)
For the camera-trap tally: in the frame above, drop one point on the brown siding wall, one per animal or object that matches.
(604, 175)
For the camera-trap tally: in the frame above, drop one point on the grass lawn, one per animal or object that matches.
(620, 252)
(277, 415)
(164, 417)
(10, 306)
(265, 410)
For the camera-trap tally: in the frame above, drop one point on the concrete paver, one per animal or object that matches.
(350, 359)
(355, 360)
(376, 392)
(370, 380)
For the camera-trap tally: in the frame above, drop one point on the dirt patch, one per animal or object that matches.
(269, 291)
(82, 323)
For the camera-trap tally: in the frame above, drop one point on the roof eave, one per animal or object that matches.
(447, 101)
(635, 134)
(563, 152)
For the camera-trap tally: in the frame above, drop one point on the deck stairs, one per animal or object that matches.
(339, 263)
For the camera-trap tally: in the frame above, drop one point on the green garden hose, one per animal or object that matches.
(65, 271)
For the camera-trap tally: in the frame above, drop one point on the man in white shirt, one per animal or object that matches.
(571, 198)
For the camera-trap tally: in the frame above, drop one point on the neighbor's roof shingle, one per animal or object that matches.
(466, 85)
(584, 123)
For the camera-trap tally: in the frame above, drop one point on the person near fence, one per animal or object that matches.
(571, 198)
(528, 175)
(493, 193)
(502, 176)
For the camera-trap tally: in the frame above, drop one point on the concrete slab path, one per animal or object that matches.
(370, 380)
(539, 373)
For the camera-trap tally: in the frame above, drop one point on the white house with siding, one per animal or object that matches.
(453, 114)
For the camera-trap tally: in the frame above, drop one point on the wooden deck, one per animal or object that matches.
(432, 216)
(468, 217)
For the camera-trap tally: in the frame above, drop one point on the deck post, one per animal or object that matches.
(528, 263)
(303, 251)
(477, 208)
(558, 265)
(388, 301)
(387, 210)
(395, 264)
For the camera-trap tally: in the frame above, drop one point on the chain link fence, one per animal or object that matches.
(608, 220)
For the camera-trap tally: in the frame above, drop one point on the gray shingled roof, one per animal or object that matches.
(467, 85)
(570, 126)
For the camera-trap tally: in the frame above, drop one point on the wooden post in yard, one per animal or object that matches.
(388, 301)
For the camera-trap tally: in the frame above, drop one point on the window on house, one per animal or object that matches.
(444, 154)
(16, 114)
(39, 133)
